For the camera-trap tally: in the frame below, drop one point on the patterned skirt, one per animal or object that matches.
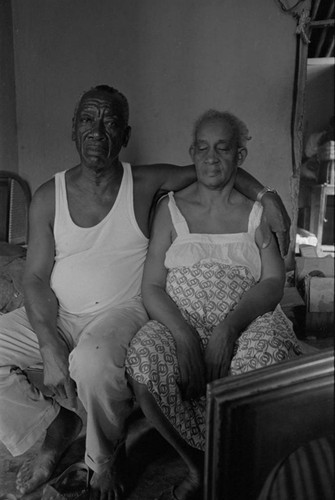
(205, 293)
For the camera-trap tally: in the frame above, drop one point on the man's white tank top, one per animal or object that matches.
(100, 266)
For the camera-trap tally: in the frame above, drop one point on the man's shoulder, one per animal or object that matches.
(43, 199)
(45, 189)
(48, 187)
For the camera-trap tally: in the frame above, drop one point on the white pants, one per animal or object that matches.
(98, 346)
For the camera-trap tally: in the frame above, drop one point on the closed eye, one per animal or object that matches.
(201, 147)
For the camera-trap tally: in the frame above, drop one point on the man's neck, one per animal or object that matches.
(101, 177)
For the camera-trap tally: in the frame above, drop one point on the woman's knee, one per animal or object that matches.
(140, 391)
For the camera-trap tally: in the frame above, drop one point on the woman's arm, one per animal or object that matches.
(261, 298)
(162, 308)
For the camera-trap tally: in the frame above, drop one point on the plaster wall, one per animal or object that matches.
(8, 135)
(172, 59)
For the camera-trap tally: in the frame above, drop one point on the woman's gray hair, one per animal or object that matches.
(240, 130)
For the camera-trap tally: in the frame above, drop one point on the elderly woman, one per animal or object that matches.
(212, 291)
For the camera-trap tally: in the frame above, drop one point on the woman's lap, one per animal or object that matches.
(152, 360)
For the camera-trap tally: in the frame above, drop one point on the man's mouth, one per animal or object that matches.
(97, 147)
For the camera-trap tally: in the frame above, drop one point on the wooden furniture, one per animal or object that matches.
(322, 216)
(256, 419)
(15, 199)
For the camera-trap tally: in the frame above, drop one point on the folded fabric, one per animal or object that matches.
(11, 290)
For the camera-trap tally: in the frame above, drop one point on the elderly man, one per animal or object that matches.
(89, 229)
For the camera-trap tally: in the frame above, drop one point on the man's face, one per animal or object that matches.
(215, 153)
(100, 130)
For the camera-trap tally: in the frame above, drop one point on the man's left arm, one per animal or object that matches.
(174, 178)
(274, 209)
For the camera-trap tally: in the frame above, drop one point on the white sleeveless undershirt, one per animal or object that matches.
(234, 249)
(101, 266)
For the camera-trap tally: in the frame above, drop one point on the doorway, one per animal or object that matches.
(316, 193)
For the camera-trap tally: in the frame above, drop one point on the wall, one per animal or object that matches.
(8, 133)
(172, 59)
(319, 94)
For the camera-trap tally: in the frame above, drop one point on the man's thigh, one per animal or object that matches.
(113, 329)
(18, 342)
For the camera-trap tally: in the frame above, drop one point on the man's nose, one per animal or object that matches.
(98, 128)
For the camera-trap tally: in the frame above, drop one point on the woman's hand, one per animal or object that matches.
(219, 352)
(56, 372)
(191, 365)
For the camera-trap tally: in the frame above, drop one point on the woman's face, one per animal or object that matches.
(215, 154)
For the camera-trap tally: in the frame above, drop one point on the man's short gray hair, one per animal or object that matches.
(240, 130)
(112, 91)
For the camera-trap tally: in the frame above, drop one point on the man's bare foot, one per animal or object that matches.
(110, 484)
(106, 486)
(59, 436)
(191, 488)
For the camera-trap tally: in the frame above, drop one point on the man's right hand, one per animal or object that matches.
(56, 372)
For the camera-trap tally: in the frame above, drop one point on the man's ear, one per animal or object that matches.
(73, 131)
(242, 153)
(126, 136)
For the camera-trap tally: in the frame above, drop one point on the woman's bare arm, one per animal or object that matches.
(261, 298)
(162, 308)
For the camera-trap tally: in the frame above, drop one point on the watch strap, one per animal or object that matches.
(266, 189)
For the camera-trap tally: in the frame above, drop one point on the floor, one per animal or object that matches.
(153, 465)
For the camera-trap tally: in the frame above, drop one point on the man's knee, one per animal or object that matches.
(93, 360)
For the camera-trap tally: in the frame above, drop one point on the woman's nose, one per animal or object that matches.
(211, 157)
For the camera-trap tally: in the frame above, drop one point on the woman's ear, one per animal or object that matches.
(242, 153)
(191, 152)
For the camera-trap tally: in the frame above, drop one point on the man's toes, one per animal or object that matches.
(23, 475)
(29, 479)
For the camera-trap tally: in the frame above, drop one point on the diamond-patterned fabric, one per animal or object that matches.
(205, 293)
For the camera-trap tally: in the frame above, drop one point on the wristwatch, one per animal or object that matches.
(266, 189)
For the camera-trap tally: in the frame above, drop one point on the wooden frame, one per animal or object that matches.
(258, 418)
(319, 196)
(14, 208)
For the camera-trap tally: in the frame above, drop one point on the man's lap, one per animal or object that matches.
(117, 325)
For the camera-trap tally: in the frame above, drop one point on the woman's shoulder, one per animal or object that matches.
(241, 203)
(187, 194)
